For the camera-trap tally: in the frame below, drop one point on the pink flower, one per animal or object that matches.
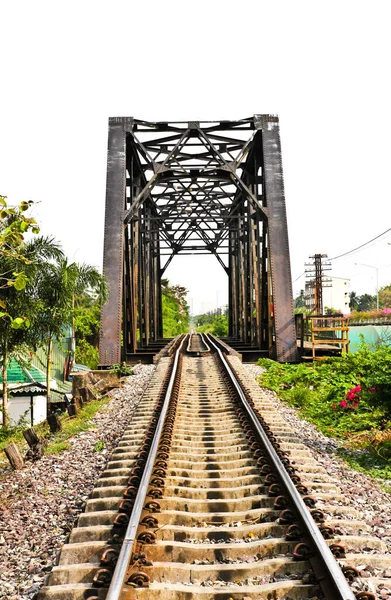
(343, 403)
(372, 389)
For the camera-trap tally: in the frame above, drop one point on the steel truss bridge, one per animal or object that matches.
(180, 188)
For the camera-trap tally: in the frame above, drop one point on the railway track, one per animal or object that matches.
(209, 495)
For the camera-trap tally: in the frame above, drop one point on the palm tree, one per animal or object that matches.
(353, 300)
(58, 287)
(16, 328)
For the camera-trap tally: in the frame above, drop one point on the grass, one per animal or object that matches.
(58, 442)
(320, 393)
(57, 447)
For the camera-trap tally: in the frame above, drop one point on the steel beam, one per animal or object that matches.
(281, 279)
(195, 188)
(113, 255)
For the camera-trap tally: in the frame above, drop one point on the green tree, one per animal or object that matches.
(385, 296)
(21, 309)
(300, 300)
(366, 302)
(87, 326)
(353, 300)
(176, 314)
(58, 287)
(214, 321)
(14, 224)
(220, 326)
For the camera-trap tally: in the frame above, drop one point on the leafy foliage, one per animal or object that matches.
(176, 315)
(215, 322)
(58, 286)
(385, 296)
(14, 224)
(20, 261)
(362, 303)
(300, 300)
(347, 396)
(86, 327)
(121, 369)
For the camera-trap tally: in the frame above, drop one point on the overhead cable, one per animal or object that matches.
(362, 245)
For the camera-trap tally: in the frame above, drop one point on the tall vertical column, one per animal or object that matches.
(278, 246)
(113, 253)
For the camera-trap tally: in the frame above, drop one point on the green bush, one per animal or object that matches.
(349, 393)
(347, 397)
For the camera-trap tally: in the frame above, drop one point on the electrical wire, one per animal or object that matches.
(350, 251)
(299, 277)
(359, 247)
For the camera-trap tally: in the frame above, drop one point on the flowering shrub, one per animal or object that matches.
(369, 315)
(347, 397)
(352, 398)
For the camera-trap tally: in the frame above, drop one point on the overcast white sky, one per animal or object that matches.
(324, 67)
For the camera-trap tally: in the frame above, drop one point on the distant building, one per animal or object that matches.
(335, 295)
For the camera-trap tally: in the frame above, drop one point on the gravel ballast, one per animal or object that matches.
(363, 492)
(38, 504)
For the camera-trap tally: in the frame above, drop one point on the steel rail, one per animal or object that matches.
(205, 342)
(202, 336)
(330, 565)
(189, 344)
(120, 572)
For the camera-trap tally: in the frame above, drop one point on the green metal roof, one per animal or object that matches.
(17, 373)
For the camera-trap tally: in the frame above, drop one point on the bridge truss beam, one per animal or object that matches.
(194, 188)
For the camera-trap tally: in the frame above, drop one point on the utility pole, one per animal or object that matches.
(317, 280)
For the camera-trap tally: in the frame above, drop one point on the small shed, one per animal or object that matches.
(27, 392)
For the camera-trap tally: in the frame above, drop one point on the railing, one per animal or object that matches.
(320, 331)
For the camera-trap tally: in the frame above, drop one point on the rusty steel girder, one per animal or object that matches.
(194, 188)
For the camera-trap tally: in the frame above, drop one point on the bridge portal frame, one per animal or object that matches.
(229, 194)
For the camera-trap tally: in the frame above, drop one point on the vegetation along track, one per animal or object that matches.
(209, 495)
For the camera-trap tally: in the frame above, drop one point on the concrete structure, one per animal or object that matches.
(335, 295)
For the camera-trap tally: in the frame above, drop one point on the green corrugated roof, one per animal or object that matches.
(16, 373)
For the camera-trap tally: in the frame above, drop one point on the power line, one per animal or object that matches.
(359, 247)
(299, 277)
(350, 251)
